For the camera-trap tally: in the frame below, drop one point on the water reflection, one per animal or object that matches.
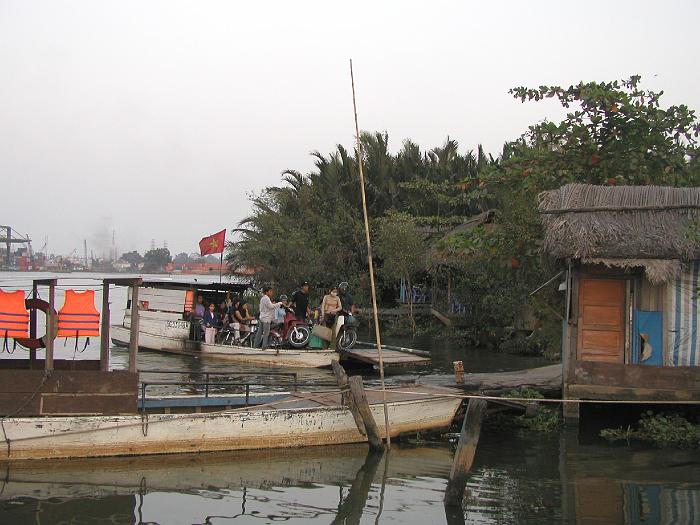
(537, 480)
(515, 480)
(323, 485)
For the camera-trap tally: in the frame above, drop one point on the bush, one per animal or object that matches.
(534, 345)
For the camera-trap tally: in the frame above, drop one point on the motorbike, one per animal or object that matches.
(347, 331)
(292, 331)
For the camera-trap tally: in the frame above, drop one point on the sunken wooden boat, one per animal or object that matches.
(63, 408)
(164, 327)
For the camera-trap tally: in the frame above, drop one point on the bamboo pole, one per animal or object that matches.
(370, 262)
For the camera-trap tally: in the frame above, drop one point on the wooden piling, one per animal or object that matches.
(466, 449)
(50, 325)
(459, 372)
(134, 331)
(357, 391)
(32, 325)
(346, 398)
(104, 333)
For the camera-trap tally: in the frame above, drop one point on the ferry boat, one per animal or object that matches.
(62, 408)
(163, 326)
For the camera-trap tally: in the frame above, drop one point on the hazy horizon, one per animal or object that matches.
(156, 119)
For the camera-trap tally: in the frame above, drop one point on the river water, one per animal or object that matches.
(559, 478)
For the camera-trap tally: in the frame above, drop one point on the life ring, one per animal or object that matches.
(33, 343)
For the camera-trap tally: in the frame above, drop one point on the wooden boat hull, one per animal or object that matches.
(241, 354)
(254, 428)
(283, 357)
(159, 343)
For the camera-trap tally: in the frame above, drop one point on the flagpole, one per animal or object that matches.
(221, 263)
(370, 263)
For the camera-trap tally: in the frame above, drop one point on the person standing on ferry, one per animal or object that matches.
(211, 322)
(199, 308)
(267, 316)
(300, 301)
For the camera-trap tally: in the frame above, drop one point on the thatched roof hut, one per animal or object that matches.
(652, 227)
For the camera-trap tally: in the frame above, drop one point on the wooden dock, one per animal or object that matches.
(392, 358)
(545, 379)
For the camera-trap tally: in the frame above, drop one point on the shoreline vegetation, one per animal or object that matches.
(461, 227)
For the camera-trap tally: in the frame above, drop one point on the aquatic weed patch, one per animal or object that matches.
(543, 419)
(662, 430)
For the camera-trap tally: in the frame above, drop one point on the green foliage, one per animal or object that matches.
(545, 420)
(401, 248)
(133, 258)
(534, 344)
(615, 133)
(663, 430)
(523, 393)
(155, 260)
(310, 227)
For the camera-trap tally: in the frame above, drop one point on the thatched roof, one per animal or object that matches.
(623, 226)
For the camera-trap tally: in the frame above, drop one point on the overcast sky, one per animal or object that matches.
(157, 118)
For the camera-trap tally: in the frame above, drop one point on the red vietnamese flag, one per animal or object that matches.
(213, 243)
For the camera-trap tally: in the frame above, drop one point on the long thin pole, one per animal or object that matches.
(370, 262)
(221, 263)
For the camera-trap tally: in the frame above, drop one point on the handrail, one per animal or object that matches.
(207, 376)
(290, 374)
(206, 384)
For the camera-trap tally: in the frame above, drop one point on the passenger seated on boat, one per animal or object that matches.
(211, 323)
(242, 317)
(227, 302)
(225, 309)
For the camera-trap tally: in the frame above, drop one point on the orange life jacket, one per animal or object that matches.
(14, 318)
(78, 316)
(189, 300)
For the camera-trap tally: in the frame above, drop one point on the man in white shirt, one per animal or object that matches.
(267, 316)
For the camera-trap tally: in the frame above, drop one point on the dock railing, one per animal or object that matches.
(294, 383)
(204, 386)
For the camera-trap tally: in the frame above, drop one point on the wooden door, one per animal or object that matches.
(601, 320)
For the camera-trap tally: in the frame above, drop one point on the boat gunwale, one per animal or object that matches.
(197, 415)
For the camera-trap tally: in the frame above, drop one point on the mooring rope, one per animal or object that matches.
(541, 399)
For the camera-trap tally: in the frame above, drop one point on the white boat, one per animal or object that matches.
(294, 420)
(61, 408)
(272, 357)
(163, 327)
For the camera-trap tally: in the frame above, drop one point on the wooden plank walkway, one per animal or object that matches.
(392, 358)
(545, 379)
